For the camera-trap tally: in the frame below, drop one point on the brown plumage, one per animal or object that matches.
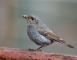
(50, 35)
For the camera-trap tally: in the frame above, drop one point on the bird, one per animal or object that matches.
(40, 33)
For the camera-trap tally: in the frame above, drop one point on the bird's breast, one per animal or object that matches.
(36, 37)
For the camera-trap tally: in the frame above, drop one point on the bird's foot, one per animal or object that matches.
(31, 49)
(34, 50)
(38, 50)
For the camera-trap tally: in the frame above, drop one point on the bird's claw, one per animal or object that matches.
(34, 50)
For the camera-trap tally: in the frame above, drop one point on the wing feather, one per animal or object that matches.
(48, 34)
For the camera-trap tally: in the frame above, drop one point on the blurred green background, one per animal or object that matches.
(59, 15)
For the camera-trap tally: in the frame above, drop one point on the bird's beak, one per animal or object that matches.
(24, 16)
(27, 18)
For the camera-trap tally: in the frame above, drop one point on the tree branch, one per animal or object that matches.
(22, 54)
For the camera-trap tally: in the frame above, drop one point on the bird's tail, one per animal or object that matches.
(65, 43)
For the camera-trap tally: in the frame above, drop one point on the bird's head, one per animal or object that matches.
(31, 19)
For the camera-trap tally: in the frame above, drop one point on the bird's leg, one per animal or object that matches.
(40, 48)
(31, 49)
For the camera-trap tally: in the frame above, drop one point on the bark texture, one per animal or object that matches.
(23, 54)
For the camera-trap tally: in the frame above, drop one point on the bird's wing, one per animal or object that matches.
(49, 34)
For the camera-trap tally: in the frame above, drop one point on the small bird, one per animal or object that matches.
(40, 33)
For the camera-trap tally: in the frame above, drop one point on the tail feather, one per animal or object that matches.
(70, 46)
(65, 43)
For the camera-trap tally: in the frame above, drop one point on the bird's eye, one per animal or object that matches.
(32, 18)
